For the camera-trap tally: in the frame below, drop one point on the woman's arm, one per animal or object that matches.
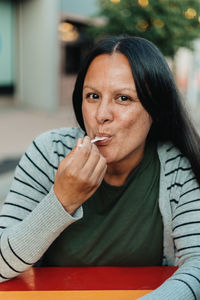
(31, 217)
(26, 236)
(38, 209)
(185, 283)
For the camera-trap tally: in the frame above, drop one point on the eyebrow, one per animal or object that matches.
(117, 91)
(89, 87)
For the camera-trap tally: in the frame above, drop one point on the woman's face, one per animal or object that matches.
(111, 109)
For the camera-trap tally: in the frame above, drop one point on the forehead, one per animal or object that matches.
(109, 68)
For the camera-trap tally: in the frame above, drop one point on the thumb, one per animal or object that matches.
(68, 159)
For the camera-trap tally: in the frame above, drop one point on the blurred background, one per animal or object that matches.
(43, 42)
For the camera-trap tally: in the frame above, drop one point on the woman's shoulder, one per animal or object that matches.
(55, 144)
(64, 138)
(62, 134)
(175, 167)
(171, 156)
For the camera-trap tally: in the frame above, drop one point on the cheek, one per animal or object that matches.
(85, 113)
(88, 118)
(146, 120)
(140, 122)
(84, 110)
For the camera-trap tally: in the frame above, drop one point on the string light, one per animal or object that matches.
(190, 13)
(158, 23)
(68, 32)
(142, 25)
(115, 1)
(143, 3)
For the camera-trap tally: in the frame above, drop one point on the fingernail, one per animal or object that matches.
(79, 143)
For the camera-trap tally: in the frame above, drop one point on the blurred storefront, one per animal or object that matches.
(74, 42)
(74, 45)
(42, 43)
(188, 74)
(29, 52)
(7, 48)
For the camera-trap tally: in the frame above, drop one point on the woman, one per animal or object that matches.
(133, 197)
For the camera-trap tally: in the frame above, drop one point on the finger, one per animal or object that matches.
(69, 158)
(91, 163)
(81, 154)
(79, 143)
(97, 182)
(95, 148)
(82, 143)
(84, 151)
(101, 177)
(99, 171)
(86, 143)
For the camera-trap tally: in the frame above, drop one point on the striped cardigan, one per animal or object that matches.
(32, 217)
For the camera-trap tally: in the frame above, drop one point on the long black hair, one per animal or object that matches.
(156, 90)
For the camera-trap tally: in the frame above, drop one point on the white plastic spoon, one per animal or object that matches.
(96, 139)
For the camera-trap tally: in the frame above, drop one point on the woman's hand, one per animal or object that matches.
(79, 175)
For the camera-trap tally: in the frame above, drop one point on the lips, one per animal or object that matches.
(102, 134)
(105, 141)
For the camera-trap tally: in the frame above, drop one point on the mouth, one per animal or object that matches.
(102, 139)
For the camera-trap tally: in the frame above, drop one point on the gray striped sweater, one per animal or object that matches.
(32, 217)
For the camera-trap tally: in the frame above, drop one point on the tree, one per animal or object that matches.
(169, 24)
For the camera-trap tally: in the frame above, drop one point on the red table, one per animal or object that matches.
(84, 283)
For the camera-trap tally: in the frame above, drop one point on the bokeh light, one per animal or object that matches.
(115, 1)
(143, 3)
(68, 32)
(190, 13)
(142, 25)
(158, 23)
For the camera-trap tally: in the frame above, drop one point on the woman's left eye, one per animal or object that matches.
(124, 98)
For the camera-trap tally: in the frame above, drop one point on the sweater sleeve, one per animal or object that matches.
(31, 217)
(184, 284)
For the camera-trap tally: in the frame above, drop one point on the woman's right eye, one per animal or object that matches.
(92, 96)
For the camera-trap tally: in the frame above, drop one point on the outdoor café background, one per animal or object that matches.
(42, 43)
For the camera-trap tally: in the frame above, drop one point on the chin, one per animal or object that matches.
(108, 161)
(107, 157)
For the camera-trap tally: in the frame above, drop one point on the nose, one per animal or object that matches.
(104, 113)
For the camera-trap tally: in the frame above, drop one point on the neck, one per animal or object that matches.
(115, 177)
(118, 172)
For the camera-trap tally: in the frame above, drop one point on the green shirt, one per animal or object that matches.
(121, 225)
